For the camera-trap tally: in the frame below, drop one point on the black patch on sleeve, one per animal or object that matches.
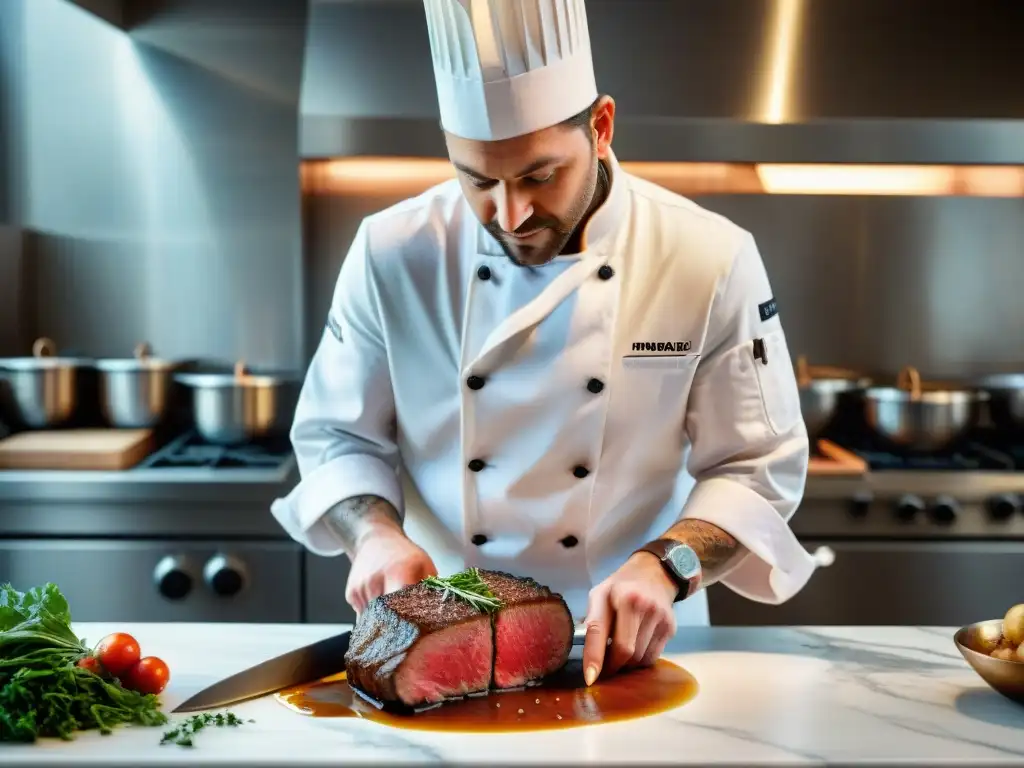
(768, 310)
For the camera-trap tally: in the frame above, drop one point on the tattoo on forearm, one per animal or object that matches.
(713, 546)
(350, 518)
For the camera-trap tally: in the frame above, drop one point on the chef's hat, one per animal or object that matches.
(505, 68)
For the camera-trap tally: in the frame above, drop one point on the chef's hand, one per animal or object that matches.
(633, 607)
(385, 560)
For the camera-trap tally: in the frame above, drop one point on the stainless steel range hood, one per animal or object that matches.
(785, 81)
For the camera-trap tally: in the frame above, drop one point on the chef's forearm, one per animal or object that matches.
(354, 519)
(715, 547)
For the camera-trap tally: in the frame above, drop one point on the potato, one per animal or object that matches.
(1013, 624)
(986, 638)
(1005, 654)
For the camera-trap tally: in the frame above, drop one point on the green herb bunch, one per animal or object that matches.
(43, 691)
(184, 733)
(466, 585)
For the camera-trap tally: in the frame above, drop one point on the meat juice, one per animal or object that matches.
(562, 700)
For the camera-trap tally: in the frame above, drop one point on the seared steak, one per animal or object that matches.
(532, 630)
(417, 647)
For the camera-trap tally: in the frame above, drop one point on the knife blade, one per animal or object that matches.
(302, 665)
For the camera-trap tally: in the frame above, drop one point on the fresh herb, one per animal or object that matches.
(44, 692)
(183, 734)
(466, 585)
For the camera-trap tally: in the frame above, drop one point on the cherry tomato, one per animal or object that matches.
(92, 664)
(149, 675)
(118, 652)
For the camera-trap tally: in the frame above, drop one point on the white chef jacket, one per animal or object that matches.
(547, 421)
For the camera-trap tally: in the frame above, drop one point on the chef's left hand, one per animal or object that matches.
(633, 606)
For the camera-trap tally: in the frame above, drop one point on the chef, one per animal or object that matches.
(551, 367)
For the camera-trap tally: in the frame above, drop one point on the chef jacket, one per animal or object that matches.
(546, 421)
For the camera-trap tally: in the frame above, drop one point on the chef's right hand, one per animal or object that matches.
(385, 560)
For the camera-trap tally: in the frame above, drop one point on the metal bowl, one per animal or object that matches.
(1006, 404)
(45, 391)
(240, 407)
(136, 392)
(823, 391)
(1004, 677)
(921, 419)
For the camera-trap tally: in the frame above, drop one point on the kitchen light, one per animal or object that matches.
(405, 176)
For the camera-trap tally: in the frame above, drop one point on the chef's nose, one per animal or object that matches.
(513, 208)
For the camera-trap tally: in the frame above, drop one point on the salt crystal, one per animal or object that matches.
(520, 711)
(536, 701)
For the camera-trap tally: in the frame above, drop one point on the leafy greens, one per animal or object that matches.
(43, 691)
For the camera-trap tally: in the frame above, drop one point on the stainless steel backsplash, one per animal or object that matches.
(870, 282)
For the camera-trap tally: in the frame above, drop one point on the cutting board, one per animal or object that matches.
(100, 449)
(835, 461)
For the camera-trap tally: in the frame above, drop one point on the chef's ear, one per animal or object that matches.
(602, 124)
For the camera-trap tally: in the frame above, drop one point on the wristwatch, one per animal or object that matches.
(680, 562)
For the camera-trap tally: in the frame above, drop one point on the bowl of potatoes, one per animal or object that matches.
(995, 650)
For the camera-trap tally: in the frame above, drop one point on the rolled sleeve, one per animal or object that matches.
(749, 446)
(343, 433)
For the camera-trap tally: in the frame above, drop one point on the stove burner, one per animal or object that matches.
(190, 450)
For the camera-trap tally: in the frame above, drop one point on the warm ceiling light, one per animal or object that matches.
(372, 176)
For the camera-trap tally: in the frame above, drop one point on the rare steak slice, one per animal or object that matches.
(414, 647)
(532, 630)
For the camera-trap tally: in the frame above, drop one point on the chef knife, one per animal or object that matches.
(303, 665)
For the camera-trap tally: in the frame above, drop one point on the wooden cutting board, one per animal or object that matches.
(100, 449)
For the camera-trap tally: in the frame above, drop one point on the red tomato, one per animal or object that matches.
(92, 664)
(149, 675)
(118, 652)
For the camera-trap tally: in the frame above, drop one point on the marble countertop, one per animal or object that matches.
(767, 696)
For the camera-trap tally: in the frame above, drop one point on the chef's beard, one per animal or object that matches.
(559, 231)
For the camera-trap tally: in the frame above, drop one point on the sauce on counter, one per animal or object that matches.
(562, 701)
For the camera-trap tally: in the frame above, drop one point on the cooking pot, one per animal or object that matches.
(922, 419)
(45, 391)
(822, 391)
(136, 392)
(239, 407)
(1006, 399)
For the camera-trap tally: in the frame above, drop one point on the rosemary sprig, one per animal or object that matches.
(466, 585)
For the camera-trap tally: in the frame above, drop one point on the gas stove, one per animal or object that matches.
(191, 451)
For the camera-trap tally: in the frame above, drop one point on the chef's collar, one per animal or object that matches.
(599, 228)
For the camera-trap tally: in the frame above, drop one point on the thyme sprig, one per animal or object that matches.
(466, 585)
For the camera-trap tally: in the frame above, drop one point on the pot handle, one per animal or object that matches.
(803, 374)
(910, 380)
(44, 347)
(240, 369)
(142, 350)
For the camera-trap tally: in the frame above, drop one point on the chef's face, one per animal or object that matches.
(533, 193)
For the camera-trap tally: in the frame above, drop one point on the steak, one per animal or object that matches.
(416, 646)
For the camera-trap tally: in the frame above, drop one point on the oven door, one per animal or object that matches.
(923, 583)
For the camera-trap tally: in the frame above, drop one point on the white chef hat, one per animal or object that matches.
(506, 68)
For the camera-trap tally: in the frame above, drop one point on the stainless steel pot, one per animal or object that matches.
(136, 392)
(45, 391)
(240, 407)
(921, 419)
(822, 389)
(1006, 399)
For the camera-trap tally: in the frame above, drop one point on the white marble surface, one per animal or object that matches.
(767, 696)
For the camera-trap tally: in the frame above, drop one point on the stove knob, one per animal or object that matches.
(1004, 506)
(225, 575)
(945, 510)
(860, 505)
(908, 508)
(172, 577)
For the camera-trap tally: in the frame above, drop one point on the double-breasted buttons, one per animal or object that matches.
(605, 272)
(476, 465)
(475, 382)
(595, 386)
(580, 472)
(479, 539)
(484, 272)
(569, 542)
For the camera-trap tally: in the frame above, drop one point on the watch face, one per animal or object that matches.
(684, 561)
